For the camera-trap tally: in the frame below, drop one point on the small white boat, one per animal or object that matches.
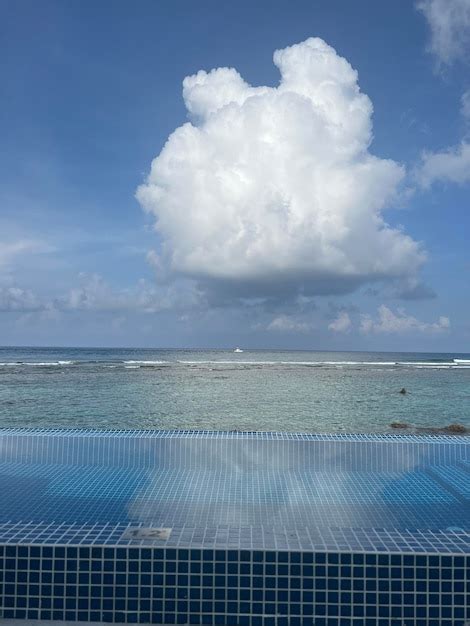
(238, 350)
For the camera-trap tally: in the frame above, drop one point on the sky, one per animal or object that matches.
(286, 175)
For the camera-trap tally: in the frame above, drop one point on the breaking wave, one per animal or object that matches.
(36, 363)
(150, 363)
(457, 364)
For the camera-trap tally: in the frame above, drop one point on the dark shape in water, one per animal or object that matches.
(402, 391)
(399, 425)
(451, 429)
(455, 428)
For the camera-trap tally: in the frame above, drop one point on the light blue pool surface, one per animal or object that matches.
(236, 490)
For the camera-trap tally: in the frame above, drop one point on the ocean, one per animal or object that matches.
(299, 391)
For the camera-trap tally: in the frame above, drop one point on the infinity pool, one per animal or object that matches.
(178, 497)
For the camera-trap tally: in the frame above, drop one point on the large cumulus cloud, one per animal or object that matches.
(275, 187)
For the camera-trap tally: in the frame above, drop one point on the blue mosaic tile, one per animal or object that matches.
(263, 528)
(265, 490)
(304, 588)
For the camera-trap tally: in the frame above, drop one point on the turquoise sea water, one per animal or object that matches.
(223, 390)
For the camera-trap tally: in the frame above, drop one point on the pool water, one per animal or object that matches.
(261, 486)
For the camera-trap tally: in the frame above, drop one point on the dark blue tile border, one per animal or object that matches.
(247, 588)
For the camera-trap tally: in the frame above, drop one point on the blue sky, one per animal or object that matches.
(349, 223)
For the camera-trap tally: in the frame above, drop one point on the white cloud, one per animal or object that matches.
(95, 294)
(407, 289)
(449, 21)
(410, 289)
(389, 322)
(18, 300)
(289, 324)
(451, 165)
(465, 105)
(10, 250)
(275, 188)
(342, 323)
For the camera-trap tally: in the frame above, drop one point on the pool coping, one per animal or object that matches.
(240, 434)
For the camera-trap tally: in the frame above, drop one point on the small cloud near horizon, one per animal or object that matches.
(399, 322)
(341, 324)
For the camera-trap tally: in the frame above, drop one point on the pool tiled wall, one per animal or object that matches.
(232, 587)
